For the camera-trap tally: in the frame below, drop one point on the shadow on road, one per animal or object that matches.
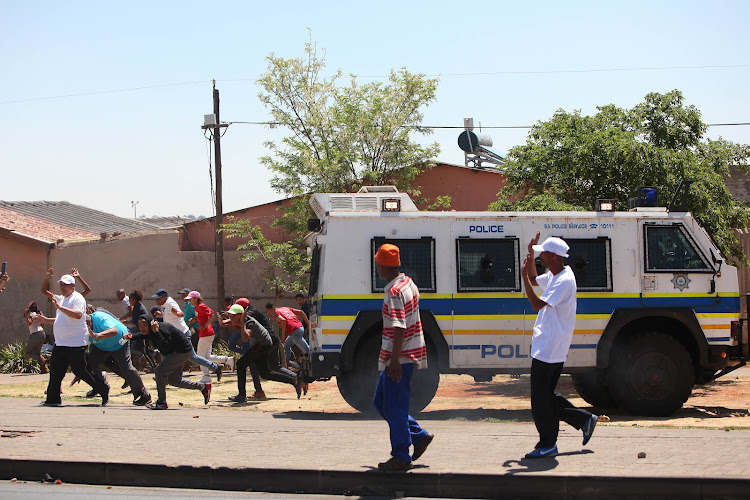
(538, 464)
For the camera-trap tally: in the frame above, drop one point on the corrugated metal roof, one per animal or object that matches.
(167, 222)
(77, 217)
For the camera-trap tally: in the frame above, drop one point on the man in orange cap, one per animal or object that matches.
(402, 350)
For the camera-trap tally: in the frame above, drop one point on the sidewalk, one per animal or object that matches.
(337, 454)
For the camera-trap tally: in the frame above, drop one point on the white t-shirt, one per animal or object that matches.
(555, 322)
(126, 304)
(171, 318)
(35, 326)
(70, 332)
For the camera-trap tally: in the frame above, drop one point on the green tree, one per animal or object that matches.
(571, 160)
(341, 138)
(284, 264)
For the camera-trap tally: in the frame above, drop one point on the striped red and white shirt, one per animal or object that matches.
(401, 309)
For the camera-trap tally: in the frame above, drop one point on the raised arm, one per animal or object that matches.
(86, 288)
(45, 283)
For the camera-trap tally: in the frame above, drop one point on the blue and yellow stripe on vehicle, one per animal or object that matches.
(476, 313)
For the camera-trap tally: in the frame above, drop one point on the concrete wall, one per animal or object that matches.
(150, 262)
(145, 262)
(739, 184)
(27, 263)
(469, 188)
(200, 235)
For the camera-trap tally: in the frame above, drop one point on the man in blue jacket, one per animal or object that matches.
(108, 338)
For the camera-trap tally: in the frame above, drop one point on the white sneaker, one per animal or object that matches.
(230, 363)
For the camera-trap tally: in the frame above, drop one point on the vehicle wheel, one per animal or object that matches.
(592, 387)
(651, 374)
(357, 386)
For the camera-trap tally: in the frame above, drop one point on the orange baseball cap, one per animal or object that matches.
(388, 255)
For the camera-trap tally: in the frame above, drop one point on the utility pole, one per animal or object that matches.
(213, 123)
(219, 208)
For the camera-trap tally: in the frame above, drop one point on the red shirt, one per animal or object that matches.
(292, 320)
(202, 313)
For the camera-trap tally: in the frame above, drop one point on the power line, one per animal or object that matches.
(437, 75)
(99, 92)
(567, 71)
(491, 127)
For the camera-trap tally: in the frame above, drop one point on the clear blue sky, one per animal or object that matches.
(105, 149)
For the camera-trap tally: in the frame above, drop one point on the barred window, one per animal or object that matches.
(671, 249)
(489, 265)
(417, 262)
(591, 262)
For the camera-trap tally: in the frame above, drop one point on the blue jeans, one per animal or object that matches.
(200, 360)
(392, 403)
(296, 338)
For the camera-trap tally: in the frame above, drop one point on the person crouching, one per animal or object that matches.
(175, 349)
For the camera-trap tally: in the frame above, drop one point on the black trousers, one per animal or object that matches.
(268, 363)
(549, 407)
(75, 357)
(249, 360)
(121, 359)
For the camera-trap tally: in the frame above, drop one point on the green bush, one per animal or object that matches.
(13, 359)
(221, 349)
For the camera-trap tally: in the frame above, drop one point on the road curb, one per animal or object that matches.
(368, 483)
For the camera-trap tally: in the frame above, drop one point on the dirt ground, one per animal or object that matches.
(724, 403)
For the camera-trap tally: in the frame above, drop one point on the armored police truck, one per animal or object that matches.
(658, 308)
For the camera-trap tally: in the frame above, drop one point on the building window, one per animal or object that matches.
(487, 265)
(417, 262)
(671, 249)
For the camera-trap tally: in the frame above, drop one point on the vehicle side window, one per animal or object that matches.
(417, 262)
(671, 249)
(591, 262)
(314, 271)
(487, 265)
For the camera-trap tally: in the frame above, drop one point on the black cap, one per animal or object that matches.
(160, 293)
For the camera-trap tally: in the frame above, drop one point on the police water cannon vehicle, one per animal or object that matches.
(657, 310)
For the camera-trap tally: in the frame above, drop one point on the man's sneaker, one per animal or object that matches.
(206, 393)
(142, 400)
(230, 363)
(125, 385)
(105, 397)
(48, 403)
(239, 398)
(588, 428)
(394, 465)
(305, 386)
(543, 452)
(420, 448)
(258, 395)
(158, 406)
(217, 372)
(298, 386)
(91, 394)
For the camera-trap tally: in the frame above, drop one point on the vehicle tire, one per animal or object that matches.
(651, 374)
(592, 387)
(357, 386)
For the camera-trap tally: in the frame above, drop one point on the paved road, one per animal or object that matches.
(317, 453)
(36, 491)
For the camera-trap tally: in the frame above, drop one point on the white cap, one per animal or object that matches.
(67, 279)
(555, 245)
